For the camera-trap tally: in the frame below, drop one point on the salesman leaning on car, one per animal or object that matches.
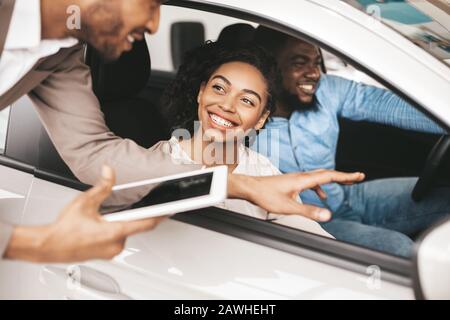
(43, 58)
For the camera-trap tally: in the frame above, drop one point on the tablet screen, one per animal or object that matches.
(178, 189)
(175, 190)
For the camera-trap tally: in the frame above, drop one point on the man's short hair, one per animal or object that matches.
(272, 40)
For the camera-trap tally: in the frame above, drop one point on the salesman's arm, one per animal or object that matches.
(72, 116)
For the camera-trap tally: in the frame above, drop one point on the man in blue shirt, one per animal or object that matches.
(378, 214)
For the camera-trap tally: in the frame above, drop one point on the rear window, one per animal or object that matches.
(182, 29)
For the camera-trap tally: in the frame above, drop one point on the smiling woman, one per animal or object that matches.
(227, 105)
(220, 96)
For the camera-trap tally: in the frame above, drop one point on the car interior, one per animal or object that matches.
(129, 92)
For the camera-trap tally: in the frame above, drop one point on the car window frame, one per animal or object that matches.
(4, 142)
(394, 266)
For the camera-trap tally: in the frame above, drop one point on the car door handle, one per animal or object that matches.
(81, 283)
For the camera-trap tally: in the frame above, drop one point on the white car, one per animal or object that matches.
(214, 254)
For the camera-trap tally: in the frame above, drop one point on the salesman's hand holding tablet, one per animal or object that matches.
(80, 233)
(173, 194)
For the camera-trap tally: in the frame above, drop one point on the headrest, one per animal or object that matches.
(123, 78)
(184, 37)
(236, 34)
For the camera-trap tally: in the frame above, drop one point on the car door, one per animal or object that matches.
(211, 253)
(35, 185)
(15, 184)
(18, 280)
(195, 256)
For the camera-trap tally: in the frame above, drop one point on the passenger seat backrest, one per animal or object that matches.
(123, 78)
(118, 85)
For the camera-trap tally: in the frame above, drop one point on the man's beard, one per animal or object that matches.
(102, 23)
(295, 104)
(106, 50)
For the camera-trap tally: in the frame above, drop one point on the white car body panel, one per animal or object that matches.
(14, 190)
(433, 263)
(180, 261)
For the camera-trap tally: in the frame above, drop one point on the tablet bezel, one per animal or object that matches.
(217, 194)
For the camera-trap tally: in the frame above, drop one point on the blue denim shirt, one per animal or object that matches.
(308, 140)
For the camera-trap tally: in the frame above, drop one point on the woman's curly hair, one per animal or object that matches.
(180, 98)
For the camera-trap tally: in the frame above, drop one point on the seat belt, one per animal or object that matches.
(6, 11)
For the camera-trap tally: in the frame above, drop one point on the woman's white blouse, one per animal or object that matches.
(252, 163)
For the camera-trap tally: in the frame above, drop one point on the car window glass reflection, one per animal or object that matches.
(3, 128)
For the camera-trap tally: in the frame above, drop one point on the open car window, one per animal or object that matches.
(380, 150)
(183, 29)
(336, 66)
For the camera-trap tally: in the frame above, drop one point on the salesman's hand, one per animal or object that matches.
(80, 233)
(278, 194)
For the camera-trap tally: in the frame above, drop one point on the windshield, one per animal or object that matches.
(424, 22)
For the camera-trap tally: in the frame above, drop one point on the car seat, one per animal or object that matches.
(117, 86)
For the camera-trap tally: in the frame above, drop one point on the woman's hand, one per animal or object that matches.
(278, 194)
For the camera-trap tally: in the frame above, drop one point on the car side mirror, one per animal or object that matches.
(431, 276)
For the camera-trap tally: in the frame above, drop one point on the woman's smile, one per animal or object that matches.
(220, 122)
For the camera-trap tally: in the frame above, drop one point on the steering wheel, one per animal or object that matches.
(432, 165)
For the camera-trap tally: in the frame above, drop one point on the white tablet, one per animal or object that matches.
(174, 194)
